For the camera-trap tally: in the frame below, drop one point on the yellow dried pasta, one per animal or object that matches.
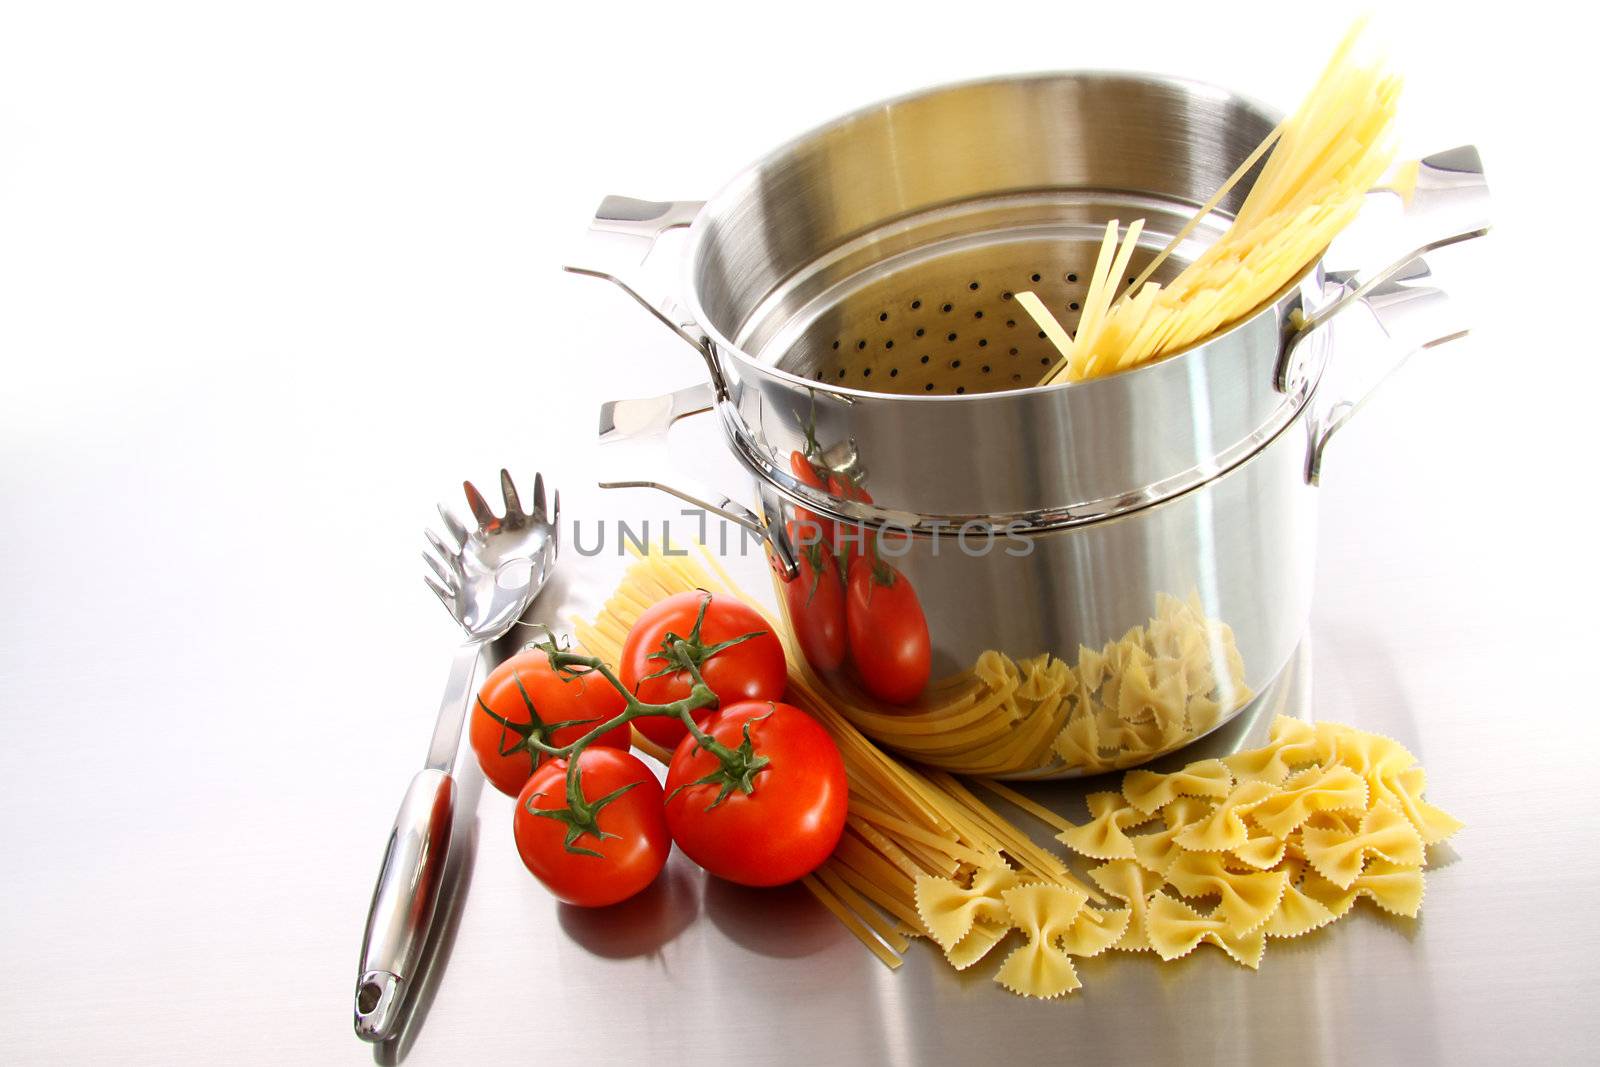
(1134, 886)
(948, 910)
(1246, 901)
(1095, 930)
(1405, 793)
(1392, 887)
(1224, 828)
(1285, 838)
(1313, 790)
(1326, 157)
(1042, 966)
(1339, 854)
(1176, 929)
(1297, 914)
(1102, 837)
(1315, 839)
(1148, 791)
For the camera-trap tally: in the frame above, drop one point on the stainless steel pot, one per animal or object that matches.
(1107, 569)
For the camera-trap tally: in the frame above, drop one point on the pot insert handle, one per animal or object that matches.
(621, 238)
(1413, 317)
(647, 417)
(651, 417)
(1444, 200)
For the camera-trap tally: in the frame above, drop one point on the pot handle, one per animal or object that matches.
(651, 417)
(646, 417)
(1445, 200)
(621, 237)
(784, 560)
(1413, 317)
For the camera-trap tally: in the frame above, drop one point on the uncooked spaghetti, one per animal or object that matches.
(1328, 155)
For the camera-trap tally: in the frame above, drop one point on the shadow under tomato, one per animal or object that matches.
(641, 925)
(784, 922)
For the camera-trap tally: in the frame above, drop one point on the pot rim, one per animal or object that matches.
(1025, 523)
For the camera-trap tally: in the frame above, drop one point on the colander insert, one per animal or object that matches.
(939, 316)
(857, 289)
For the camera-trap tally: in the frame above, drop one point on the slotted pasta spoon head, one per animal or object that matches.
(486, 576)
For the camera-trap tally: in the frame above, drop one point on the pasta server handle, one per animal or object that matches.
(403, 903)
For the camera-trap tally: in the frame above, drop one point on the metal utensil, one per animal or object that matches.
(486, 577)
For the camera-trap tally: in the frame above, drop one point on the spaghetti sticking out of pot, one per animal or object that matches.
(1326, 157)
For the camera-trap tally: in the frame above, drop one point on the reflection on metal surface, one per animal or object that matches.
(1045, 655)
(1160, 686)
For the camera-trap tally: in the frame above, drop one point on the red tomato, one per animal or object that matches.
(788, 825)
(888, 632)
(750, 670)
(815, 599)
(507, 760)
(851, 539)
(813, 526)
(627, 862)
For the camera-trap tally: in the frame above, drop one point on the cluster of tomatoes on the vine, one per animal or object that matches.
(756, 794)
(848, 601)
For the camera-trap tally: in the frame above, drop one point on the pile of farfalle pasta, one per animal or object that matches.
(1275, 842)
(1270, 843)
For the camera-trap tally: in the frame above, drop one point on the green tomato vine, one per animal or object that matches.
(738, 767)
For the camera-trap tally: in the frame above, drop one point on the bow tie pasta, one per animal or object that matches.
(1268, 844)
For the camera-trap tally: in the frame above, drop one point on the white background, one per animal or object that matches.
(275, 277)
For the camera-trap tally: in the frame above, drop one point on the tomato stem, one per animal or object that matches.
(580, 816)
(739, 766)
(531, 736)
(812, 447)
(736, 773)
(687, 654)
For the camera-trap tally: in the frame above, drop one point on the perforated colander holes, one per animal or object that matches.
(908, 309)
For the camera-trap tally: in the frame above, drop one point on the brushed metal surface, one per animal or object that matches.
(1397, 646)
(195, 855)
(194, 773)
